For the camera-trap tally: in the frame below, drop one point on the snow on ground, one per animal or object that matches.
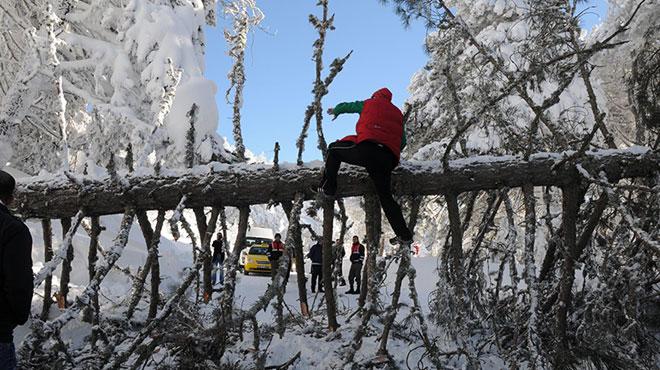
(175, 256)
(318, 351)
(116, 288)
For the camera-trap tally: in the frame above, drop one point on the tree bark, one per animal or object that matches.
(401, 273)
(235, 185)
(65, 278)
(206, 234)
(48, 255)
(155, 268)
(230, 279)
(456, 248)
(151, 238)
(570, 207)
(299, 261)
(373, 223)
(92, 257)
(331, 305)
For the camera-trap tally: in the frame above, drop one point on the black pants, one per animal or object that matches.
(317, 271)
(355, 274)
(379, 162)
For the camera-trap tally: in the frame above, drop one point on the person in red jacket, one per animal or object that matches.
(376, 147)
(275, 251)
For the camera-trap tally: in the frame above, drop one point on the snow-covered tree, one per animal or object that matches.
(114, 59)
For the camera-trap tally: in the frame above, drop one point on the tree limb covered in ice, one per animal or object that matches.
(237, 185)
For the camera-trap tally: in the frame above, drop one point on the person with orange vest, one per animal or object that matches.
(377, 145)
(356, 258)
(275, 251)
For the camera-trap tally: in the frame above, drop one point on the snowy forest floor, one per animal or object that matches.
(308, 336)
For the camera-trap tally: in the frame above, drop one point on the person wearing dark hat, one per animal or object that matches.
(218, 260)
(316, 255)
(377, 145)
(16, 279)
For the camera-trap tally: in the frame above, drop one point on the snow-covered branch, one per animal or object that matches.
(236, 185)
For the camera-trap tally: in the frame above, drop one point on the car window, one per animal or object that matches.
(253, 241)
(258, 250)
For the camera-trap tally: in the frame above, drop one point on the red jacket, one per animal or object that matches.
(380, 121)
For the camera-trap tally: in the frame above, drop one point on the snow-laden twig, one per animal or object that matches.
(416, 311)
(157, 139)
(138, 284)
(61, 254)
(321, 86)
(391, 311)
(123, 356)
(102, 270)
(41, 330)
(647, 240)
(176, 217)
(244, 14)
(59, 103)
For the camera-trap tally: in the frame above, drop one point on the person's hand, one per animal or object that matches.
(331, 112)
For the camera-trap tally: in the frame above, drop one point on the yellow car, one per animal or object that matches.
(256, 259)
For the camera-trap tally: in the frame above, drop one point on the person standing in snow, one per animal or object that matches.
(357, 258)
(275, 252)
(218, 260)
(16, 279)
(338, 261)
(377, 145)
(316, 255)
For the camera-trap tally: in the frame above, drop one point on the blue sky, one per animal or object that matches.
(280, 70)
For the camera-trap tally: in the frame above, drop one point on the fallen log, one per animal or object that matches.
(59, 196)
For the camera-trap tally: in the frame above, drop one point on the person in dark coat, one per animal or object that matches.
(316, 255)
(218, 260)
(16, 279)
(275, 252)
(377, 145)
(338, 260)
(357, 259)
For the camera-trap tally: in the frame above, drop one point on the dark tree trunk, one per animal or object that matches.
(154, 299)
(570, 207)
(206, 234)
(65, 278)
(299, 261)
(230, 279)
(89, 313)
(235, 185)
(456, 249)
(373, 227)
(331, 305)
(48, 255)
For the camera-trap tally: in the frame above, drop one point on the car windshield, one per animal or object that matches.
(252, 241)
(258, 250)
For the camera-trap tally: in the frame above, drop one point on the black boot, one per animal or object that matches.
(396, 240)
(351, 291)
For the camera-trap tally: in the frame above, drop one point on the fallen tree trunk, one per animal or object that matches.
(240, 184)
